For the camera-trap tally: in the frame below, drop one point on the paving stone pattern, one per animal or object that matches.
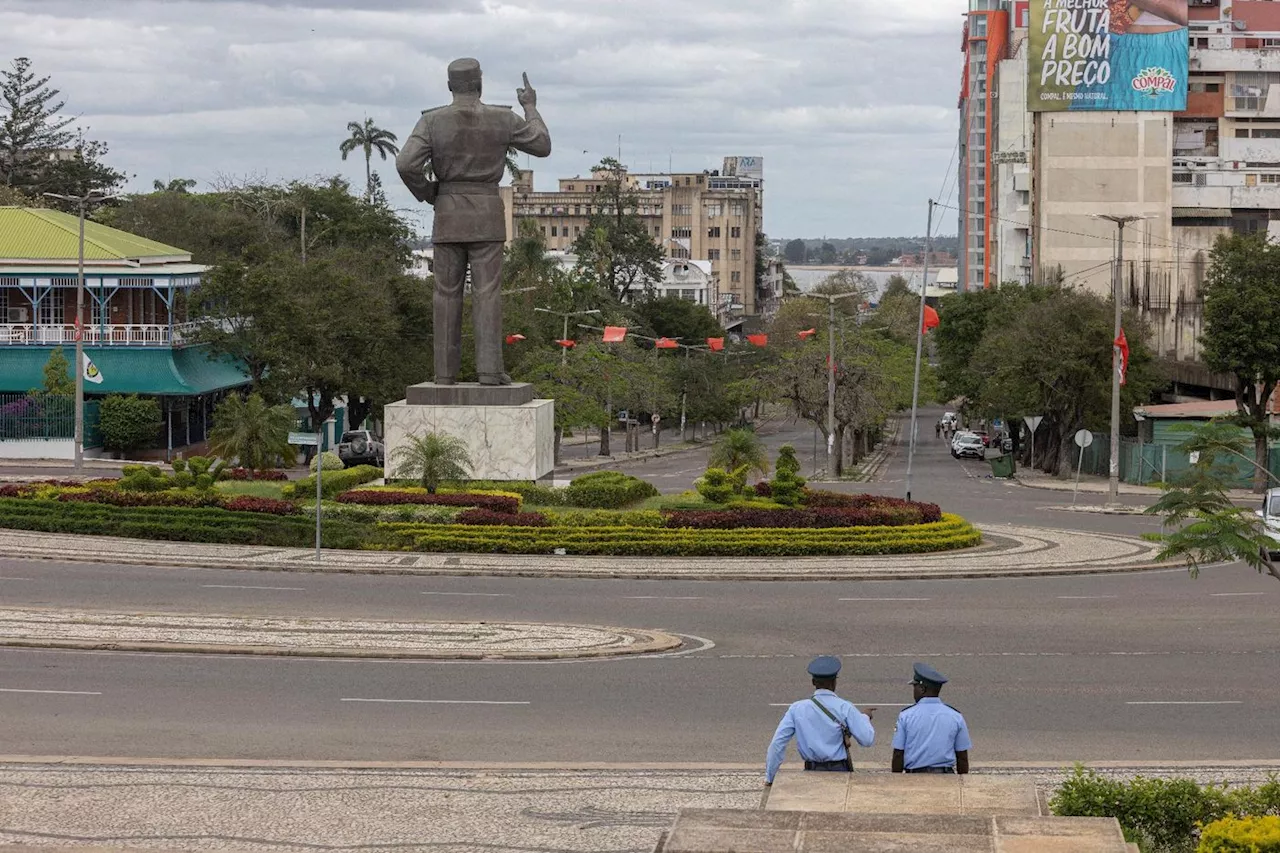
(299, 636)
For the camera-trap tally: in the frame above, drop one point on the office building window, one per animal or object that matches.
(735, 232)
(713, 254)
(553, 231)
(51, 313)
(712, 209)
(714, 232)
(690, 295)
(735, 254)
(736, 208)
(682, 232)
(735, 276)
(577, 229)
(681, 210)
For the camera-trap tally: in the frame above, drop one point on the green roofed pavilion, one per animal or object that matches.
(35, 235)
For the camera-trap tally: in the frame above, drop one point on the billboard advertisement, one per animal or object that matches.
(744, 167)
(1107, 55)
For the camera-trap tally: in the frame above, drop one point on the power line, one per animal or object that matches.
(1108, 239)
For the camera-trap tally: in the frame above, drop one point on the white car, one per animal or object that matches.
(968, 444)
(1270, 515)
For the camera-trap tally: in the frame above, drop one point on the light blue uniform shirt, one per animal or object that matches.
(818, 737)
(930, 734)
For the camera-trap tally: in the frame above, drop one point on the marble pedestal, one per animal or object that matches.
(506, 440)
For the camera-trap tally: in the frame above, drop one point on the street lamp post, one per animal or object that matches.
(915, 385)
(80, 202)
(564, 351)
(1117, 285)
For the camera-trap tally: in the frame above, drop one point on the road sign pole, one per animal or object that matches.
(1079, 465)
(319, 471)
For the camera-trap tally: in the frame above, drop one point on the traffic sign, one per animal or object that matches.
(1033, 421)
(305, 439)
(1084, 438)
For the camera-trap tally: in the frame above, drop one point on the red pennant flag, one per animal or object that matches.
(758, 340)
(716, 344)
(808, 333)
(567, 344)
(931, 319)
(665, 343)
(514, 339)
(79, 327)
(615, 334)
(1122, 344)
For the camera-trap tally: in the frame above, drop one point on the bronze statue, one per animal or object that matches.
(464, 146)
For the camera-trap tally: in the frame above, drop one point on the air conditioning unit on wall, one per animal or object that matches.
(18, 315)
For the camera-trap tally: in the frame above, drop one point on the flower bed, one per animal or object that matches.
(950, 533)
(482, 516)
(821, 499)
(734, 519)
(386, 497)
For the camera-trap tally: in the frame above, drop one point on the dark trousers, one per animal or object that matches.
(841, 766)
(451, 261)
(932, 770)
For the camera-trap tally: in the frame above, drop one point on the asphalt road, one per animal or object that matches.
(1151, 666)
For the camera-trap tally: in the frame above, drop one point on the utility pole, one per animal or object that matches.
(1117, 285)
(831, 375)
(915, 387)
(80, 202)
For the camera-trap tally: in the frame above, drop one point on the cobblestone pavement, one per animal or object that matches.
(451, 640)
(450, 811)
(1009, 550)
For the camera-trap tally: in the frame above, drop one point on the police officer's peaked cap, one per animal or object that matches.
(824, 667)
(925, 674)
(464, 71)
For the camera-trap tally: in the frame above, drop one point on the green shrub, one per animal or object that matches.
(533, 494)
(332, 483)
(1241, 835)
(144, 478)
(330, 460)
(787, 486)
(607, 490)
(128, 423)
(716, 485)
(183, 524)
(606, 518)
(400, 514)
(1163, 814)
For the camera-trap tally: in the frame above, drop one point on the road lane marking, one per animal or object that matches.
(1230, 594)
(52, 692)
(477, 594)
(236, 586)
(15, 579)
(662, 597)
(883, 599)
(1085, 597)
(435, 701)
(1180, 702)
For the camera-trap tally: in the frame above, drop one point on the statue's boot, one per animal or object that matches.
(495, 379)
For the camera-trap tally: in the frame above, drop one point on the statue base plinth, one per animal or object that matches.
(505, 441)
(469, 394)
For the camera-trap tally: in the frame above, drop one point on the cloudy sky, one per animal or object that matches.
(850, 102)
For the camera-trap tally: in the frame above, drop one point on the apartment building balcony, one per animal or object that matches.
(138, 335)
(1236, 59)
(1250, 150)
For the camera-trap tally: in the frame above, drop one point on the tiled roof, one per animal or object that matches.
(50, 235)
(1195, 409)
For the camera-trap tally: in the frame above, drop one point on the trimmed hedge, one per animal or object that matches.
(333, 483)
(533, 494)
(1164, 814)
(607, 490)
(183, 524)
(117, 497)
(370, 514)
(607, 518)
(249, 503)
(384, 497)
(269, 474)
(1241, 835)
(821, 499)
(953, 532)
(482, 516)
(733, 519)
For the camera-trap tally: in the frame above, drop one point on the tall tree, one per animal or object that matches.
(795, 251)
(250, 431)
(30, 124)
(673, 317)
(369, 138)
(616, 252)
(175, 185)
(1242, 330)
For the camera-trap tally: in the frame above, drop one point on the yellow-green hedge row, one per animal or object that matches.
(1241, 835)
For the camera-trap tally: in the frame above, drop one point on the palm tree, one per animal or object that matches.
(739, 447)
(512, 165)
(432, 459)
(251, 431)
(370, 138)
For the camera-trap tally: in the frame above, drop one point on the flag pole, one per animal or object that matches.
(915, 387)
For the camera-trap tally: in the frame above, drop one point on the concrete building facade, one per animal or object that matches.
(709, 216)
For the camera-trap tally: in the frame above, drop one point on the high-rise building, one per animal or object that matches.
(711, 215)
(986, 33)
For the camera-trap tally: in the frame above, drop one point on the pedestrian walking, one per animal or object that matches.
(823, 725)
(937, 429)
(930, 737)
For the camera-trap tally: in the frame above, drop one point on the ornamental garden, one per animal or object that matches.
(604, 513)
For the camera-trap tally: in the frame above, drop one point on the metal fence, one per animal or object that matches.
(1143, 464)
(40, 416)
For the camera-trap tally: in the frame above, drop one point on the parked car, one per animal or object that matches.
(361, 447)
(986, 439)
(1270, 515)
(968, 445)
(949, 419)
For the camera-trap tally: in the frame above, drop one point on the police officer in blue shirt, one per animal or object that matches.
(930, 737)
(822, 725)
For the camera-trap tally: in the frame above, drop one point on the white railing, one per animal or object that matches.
(137, 335)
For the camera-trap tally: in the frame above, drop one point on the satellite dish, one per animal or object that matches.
(1240, 25)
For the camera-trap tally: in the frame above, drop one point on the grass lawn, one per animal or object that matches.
(253, 488)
